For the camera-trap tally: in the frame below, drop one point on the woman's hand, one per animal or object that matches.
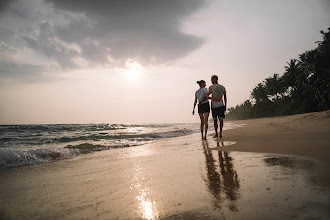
(195, 102)
(216, 99)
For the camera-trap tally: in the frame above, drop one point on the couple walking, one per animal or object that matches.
(218, 106)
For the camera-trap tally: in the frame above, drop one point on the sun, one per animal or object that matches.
(133, 69)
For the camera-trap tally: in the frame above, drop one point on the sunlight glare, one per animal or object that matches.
(147, 205)
(133, 69)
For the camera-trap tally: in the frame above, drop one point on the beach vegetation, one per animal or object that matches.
(303, 87)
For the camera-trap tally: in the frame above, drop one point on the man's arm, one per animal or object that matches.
(225, 97)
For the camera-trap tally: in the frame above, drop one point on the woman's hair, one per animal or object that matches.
(200, 82)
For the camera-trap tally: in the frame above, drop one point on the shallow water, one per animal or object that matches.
(34, 144)
(175, 179)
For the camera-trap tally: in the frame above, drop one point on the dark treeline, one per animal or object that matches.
(302, 88)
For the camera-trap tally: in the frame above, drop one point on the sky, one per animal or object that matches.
(137, 61)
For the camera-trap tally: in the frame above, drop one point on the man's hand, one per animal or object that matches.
(193, 112)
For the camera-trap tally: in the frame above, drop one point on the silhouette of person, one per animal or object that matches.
(230, 179)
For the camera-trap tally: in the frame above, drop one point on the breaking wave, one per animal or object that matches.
(33, 144)
(18, 157)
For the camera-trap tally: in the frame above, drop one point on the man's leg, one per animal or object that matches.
(214, 116)
(221, 126)
(215, 127)
(221, 117)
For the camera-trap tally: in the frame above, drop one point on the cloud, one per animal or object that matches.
(4, 4)
(6, 49)
(148, 31)
(82, 33)
(46, 42)
(11, 67)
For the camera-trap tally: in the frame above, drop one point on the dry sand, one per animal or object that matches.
(185, 178)
(303, 135)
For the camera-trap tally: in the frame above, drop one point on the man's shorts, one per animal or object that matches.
(219, 112)
(205, 107)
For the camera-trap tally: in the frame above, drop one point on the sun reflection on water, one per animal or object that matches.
(147, 206)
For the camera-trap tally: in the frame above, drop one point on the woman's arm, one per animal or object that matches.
(195, 102)
(215, 99)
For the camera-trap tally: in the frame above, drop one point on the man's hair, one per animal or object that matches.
(214, 77)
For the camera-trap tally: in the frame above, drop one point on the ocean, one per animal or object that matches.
(31, 144)
(39, 143)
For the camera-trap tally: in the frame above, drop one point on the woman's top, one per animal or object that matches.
(200, 94)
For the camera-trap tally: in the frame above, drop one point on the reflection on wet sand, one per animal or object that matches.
(146, 206)
(293, 165)
(213, 177)
(290, 163)
(226, 182)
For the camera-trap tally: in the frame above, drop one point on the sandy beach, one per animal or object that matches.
(269, 168)
(305, 135)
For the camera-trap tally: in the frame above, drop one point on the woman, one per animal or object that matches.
(202, 96)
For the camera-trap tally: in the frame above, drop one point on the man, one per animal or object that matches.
(217, 105)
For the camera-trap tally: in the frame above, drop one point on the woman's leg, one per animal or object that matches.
(206, 122)
(202, 122)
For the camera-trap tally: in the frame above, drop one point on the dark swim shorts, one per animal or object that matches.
(205, 107)
(218, 112)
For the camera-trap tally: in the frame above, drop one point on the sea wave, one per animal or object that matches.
(18, 157)
(10, 157)
(33, 144)
(87, 136)
(59, 127)
(74, 127)
(126, 136)
(146, 125)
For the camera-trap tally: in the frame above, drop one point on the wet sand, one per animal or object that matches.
(179, 178)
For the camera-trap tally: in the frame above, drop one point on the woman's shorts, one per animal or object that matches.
(205, 107)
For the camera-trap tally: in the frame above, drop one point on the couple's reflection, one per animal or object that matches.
(224, 183)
